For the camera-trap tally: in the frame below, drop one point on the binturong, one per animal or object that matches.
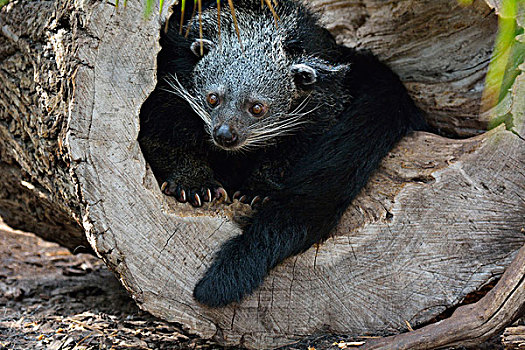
(281, 117)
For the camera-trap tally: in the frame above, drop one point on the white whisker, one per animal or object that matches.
(263, 135)
(301, 105)
(180, 91)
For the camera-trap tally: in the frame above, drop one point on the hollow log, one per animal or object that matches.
(471, 324)
(439, 219)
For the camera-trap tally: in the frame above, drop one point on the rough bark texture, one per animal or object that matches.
(440, 218)
(37, 191)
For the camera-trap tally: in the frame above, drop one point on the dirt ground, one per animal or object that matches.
(50, 299)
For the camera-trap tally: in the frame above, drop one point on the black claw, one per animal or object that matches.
(196, 200)
(208, 195)
(237, 195)
(243, 199)
(194, 196)
(255, 201)
(221, 193)
(182, 196)
(265, 200)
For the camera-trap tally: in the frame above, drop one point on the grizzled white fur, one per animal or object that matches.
(248, 71)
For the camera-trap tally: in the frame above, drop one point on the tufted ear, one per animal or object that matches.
(207, 45)
(304, 74)
(308, 73)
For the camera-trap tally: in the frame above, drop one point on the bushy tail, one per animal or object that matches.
(243, 262)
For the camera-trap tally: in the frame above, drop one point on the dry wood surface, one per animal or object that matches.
(514, 337)
(441, 217)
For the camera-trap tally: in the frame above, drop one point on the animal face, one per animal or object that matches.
(250, 92)
(247, 92)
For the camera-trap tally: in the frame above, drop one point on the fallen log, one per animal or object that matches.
(472, 324)
(441, 218)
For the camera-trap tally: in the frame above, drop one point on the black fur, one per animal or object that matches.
(311, 176)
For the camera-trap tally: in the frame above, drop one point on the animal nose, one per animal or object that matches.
(225, 135)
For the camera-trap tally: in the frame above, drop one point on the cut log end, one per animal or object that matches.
(439, 219)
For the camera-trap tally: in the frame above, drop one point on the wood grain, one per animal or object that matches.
(471, 324)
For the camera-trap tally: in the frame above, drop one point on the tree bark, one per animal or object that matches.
(439, 219)
(37, 189)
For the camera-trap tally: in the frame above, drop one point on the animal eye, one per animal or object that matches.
(257, 109)
(213, 100)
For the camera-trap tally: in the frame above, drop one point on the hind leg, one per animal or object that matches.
(263, 181)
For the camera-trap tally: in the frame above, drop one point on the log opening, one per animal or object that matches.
(438, 220)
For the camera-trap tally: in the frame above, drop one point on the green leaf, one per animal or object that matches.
(507, 55)
(148, 9)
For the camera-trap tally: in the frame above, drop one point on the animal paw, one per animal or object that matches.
(255, 201)
(195, 195)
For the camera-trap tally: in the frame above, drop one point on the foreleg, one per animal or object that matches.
(173, 141)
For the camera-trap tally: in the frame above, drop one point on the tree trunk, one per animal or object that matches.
(439, 219)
